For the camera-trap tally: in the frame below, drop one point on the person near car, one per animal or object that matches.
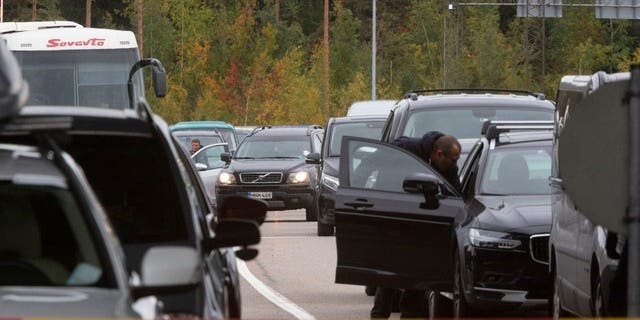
(195, 146)
(442, 153)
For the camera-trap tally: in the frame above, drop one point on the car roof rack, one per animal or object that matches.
(493, 129)
(413, 94)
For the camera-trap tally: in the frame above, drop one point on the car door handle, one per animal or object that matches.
(359, 204)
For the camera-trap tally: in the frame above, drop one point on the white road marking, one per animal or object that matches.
(272, 295)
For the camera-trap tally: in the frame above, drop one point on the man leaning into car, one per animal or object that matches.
(442, 153)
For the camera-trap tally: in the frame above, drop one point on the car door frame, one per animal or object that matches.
(386, 244)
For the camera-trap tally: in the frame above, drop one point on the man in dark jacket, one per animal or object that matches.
(442, 153)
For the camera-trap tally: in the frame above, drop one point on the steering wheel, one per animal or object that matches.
(21, 273)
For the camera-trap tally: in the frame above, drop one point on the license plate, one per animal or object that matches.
(260, 195)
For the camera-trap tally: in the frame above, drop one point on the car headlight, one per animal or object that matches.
(330, 182)
(492, 239)
(226, 178)
(298, 177)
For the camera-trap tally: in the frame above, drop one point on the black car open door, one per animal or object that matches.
(388, 232)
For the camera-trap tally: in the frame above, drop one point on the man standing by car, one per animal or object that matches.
(195, 146)
(442, 153)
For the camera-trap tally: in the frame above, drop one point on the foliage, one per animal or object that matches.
(237, 61)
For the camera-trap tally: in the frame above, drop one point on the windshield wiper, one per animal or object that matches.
(280, 158)
(244, 158)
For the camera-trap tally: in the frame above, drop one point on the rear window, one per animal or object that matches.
(467, 122)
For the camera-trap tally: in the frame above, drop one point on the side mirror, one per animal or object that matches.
(243, 208)
(13, 89)
(234, 233)
(159, 77)
(201, 166)
(312, 158)
(428, 185)
(226, 157)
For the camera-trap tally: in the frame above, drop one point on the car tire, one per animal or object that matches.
(598, 307)
(460, 307)
(311, 213)
(324, 229)
(370, 290)
(439, 306)
(555, 304)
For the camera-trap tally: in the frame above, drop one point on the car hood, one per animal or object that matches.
(71, 302)
(266, 165)
(527, 214)
(331, 166)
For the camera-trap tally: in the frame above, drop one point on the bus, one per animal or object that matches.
(66, 64)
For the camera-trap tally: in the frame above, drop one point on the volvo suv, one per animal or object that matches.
(278, 165)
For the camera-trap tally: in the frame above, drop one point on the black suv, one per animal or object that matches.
(462, 112)
(501, 260)
(278, 165)
(358, 126)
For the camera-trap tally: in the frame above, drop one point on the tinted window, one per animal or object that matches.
(371, 130)
(380, 167)
(465, 123)
(274, 147)
(513, 171)
(45, 240)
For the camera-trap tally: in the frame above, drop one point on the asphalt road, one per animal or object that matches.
(293, 276)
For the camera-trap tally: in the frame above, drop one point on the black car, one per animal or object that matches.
(152, 195)
(400, 224)
(278, 165)
(358, 126)
(501, 260)
(462, 112)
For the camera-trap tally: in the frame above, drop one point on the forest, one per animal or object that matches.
(263, 62)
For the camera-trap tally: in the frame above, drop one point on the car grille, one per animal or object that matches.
(539, 248)
(261, 177)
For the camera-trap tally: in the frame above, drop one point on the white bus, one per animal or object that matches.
(67, 64)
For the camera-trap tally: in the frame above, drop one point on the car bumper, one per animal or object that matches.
(283, 197)
(505, 279)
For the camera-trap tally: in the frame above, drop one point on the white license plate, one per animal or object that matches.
(260, 195)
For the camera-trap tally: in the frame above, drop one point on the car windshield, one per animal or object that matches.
(185, 139)
(371, 130)
(517, 171)
(274, 147)
(90, 78)
(46, 241)
(467, 122)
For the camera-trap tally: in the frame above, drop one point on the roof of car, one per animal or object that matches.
(359, 119)
(195, 133)
(190, 125)
(478, 100)
(26, 165)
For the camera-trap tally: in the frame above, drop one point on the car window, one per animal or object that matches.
(513, 171)
(371, 130)
(46, 241)
(229, 137)
(380, 167)
(465, 123)
(317, 142)
(211, 157)
(275, 147)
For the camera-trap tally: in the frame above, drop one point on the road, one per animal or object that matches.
(296, 268)
(300, 267)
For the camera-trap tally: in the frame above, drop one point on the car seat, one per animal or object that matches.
(21, 260)
(513, 175)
